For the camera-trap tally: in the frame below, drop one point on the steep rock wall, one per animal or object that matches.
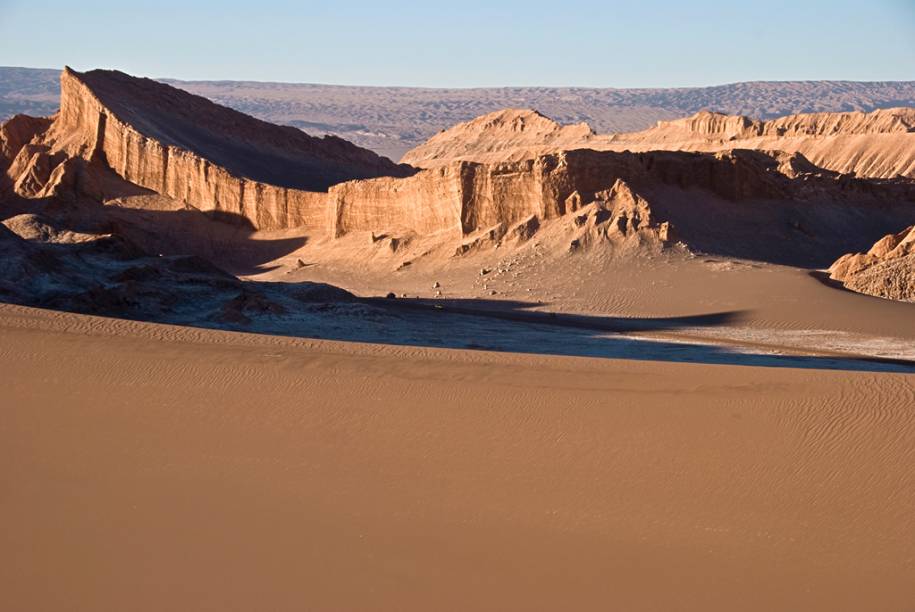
(85, 127)
(465, 197)
(427, 202)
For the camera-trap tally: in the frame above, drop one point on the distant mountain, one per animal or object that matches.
(392, 120)
(32, 91)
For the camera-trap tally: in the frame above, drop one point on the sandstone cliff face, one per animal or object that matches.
(242, 145)
(718, 125)
(465, 197)
(143, 154)
(880, 144)
(428, 202)
(886, 270)
(456, 200)
(190, 149)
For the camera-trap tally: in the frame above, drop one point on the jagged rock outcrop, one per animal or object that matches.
(17, 132)
(616, 214)
(886, 270)
(879, 144)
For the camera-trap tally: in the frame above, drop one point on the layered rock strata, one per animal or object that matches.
(213, 159)
(187, 148)
(465, 197)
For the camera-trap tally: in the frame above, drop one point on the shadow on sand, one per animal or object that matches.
(510, 326)
(141, 284)
(218, 236)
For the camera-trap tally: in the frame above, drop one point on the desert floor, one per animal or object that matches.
(671, 297)
(151, 467)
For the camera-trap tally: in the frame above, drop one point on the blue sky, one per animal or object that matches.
(462, 43)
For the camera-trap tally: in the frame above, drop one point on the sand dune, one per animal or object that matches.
(150, 466)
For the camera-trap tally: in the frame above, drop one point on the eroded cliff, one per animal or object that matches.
(188, 148)
(738, 202)
(147, 135)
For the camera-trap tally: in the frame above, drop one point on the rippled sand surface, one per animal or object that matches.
(151, 467)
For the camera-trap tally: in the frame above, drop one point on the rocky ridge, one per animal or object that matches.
(879, 144)
(184, 147)
(107, 128)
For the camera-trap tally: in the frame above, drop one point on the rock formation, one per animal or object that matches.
(462, 198)
(188, 148)
(879, 144)
(505, 175)
(886, 270)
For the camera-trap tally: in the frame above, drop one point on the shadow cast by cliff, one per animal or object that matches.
(154, 265)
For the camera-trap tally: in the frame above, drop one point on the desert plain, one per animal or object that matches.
(530, 366)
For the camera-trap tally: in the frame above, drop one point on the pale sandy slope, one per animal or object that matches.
(879, 144)
(148, 467)
(776, 308)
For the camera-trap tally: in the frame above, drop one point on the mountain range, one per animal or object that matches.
(393, 120)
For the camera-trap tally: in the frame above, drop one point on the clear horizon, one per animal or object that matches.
(165, 77)
(512, 44)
